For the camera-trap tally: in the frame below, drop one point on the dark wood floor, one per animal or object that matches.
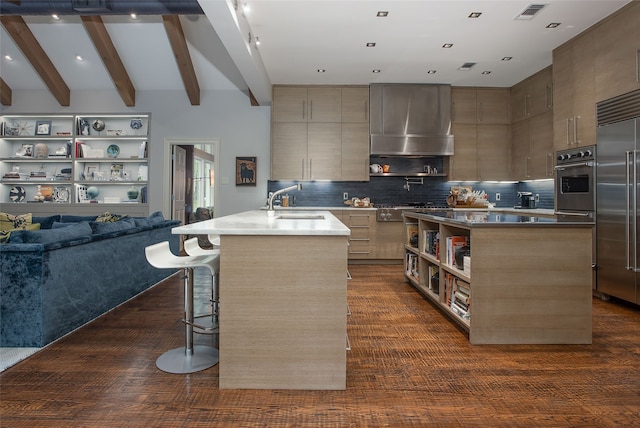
(409, 366)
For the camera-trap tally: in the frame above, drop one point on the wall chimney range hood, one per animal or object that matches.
(410, 120)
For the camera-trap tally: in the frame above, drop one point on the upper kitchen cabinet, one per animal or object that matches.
(325, 138)
(480, 126)
(574, 112)
(355, 104)
(617, 53)
(532, 96)
(301, 104)
(480, 106)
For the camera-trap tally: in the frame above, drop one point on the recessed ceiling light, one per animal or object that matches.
(375, 71)
(321, 70)
(447, 45)
(8, 57)
(486, 72)
(475, 14)
(382, 14)
(431, 72)
(79, 58)
(507, 58)
(370, 44)
(553, 25)
(466, 66)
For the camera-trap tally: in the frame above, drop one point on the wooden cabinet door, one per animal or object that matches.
(541, 160)
(540, 92)
(324, 147)
(355, 151)
(563, 97)
(325, 104)
(493, 106)
(519, 101)
(463, 105)
(617, 53)
(289, 157)
(520, 150)
(493, 152)
(355, 104)
(584, 95)
(463, 165)
(289, 104)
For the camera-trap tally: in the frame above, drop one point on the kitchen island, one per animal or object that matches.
(526, 279)
(283, 299)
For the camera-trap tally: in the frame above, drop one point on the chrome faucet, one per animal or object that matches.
(270, 210)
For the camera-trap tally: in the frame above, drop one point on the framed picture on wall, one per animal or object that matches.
(246, 172)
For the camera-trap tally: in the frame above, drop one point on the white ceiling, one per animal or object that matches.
(298, 37)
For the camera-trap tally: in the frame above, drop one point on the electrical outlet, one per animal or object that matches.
(537, 197)
(497, 196)
(345, 196)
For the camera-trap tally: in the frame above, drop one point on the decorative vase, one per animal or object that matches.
(132, 193)
(93, 192)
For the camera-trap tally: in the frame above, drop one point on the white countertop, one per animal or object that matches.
(258, 222)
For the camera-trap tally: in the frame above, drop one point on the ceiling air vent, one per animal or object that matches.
(531, 11)
(467, 66)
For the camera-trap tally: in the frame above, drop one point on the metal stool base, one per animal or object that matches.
(177, 361)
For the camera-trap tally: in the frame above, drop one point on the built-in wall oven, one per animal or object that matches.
(576, 189)
(576, 181)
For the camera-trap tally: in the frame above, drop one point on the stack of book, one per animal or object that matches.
(458, 296)
(432, 243)
(453, 243)
(411, 266)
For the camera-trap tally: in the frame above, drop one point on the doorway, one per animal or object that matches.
(193, 181)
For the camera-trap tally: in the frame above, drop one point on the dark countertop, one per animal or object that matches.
(486, 218)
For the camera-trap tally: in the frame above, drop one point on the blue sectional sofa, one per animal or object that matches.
(72, 270)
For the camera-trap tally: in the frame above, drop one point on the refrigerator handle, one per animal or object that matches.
(634, 213)
(631, 222)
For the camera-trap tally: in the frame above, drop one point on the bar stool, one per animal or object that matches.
(190, 358)
(193, 248)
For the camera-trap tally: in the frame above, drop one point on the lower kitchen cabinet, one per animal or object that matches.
(389, 245)
(517, 285)
(362, 223)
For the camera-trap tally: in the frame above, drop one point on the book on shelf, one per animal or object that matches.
(411, 266)
(412, 234)
(453, 243)
(434, 279)
(461, 298)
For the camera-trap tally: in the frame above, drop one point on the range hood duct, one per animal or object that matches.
(410, 120)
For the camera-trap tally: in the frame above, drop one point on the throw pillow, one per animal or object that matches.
(12, 222)
(5, 235)
(47, 236)
(109, 218)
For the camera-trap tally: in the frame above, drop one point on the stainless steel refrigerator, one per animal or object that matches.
(618, 198)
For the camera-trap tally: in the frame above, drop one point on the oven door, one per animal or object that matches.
(575, 187)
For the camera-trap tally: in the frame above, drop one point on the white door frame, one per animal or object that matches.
(166, 178)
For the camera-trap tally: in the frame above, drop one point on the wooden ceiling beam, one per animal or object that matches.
(5, 93)
(104, 45)
(183, 58)
(31, 49)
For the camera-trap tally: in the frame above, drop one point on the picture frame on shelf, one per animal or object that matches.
(246, 170)
(43, 127)
(90, 171)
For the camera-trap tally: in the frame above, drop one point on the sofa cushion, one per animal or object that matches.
(12, 222)
(46, 222)
(76, 218)
(59, 224)
(156, 218)
(116, 228)
(49, 236)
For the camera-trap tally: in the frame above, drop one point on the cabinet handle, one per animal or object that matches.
(637, 65)
(304, 112)
(568, 132)
(575, 130)
(526, 105)
(310, 169)
(548, 96)
(526, 166)
(302, 168)
(311, 110)
(549, 165)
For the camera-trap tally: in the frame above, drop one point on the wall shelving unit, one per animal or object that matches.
(75, 163)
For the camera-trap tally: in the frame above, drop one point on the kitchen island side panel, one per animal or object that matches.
(283, 303)
(531, 285)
